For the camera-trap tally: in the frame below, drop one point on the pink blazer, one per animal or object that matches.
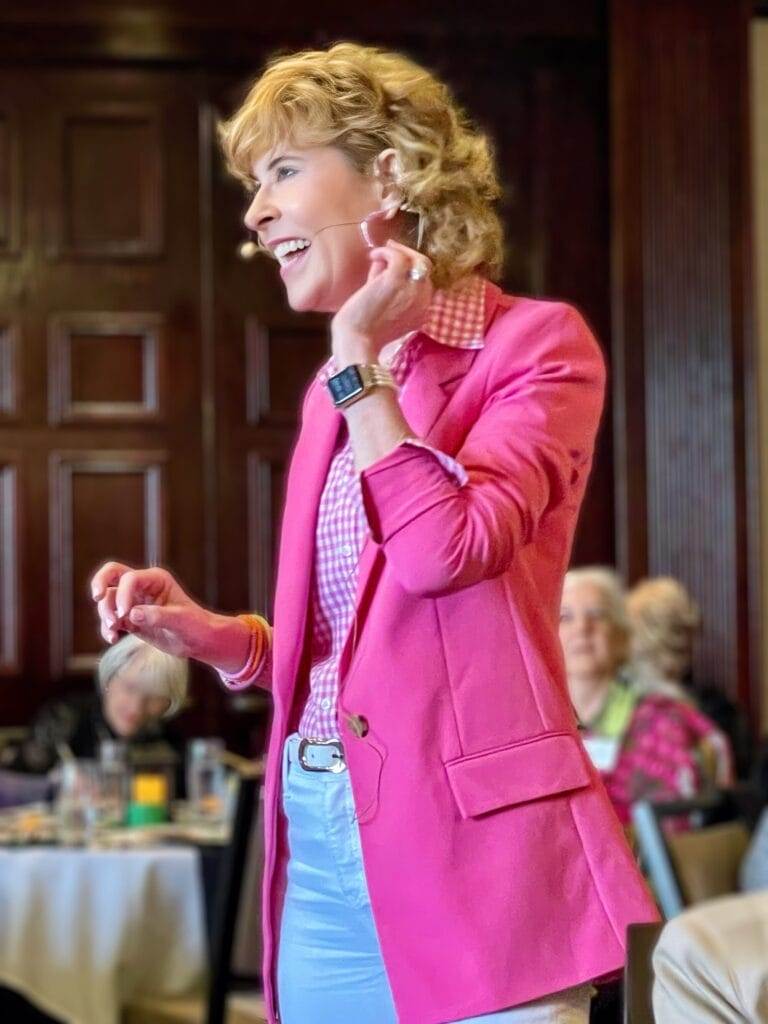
(497, 869)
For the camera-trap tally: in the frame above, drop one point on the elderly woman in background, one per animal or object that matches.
(138, 689)
(647, 742)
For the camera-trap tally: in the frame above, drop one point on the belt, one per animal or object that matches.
(322, 756)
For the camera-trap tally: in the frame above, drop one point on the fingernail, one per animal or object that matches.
(137, 615)
(110, 620)
(120, 612)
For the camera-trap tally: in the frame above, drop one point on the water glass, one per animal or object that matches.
(113, 764)
(78, 802)
(206, 779)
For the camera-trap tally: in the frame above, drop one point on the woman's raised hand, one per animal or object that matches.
(390, 303)
(151, 604)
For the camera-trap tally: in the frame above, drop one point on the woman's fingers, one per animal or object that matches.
(106, 607)
(413, 257)
(140, 586)
(107, 576)
(169, 627)
(387, 260)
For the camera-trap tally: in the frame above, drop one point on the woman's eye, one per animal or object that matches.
(281, 171)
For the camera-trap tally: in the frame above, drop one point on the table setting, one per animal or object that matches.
(101, 890)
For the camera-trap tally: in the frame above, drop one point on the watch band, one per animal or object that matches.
(357, 380)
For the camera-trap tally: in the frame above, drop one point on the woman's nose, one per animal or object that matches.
(259, 213)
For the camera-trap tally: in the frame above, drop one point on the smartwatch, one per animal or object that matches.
(355, 381)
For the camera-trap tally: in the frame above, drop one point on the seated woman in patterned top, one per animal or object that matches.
(647, 741)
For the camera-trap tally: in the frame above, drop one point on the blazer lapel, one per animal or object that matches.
(306, 479)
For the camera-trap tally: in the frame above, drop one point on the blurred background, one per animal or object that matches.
(150, 375)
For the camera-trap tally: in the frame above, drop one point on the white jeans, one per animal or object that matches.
(330, 969)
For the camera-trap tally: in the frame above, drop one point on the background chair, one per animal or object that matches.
(687, 867)
(638, 973)
(220, 1005)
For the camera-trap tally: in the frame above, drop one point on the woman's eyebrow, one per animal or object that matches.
(278, 159)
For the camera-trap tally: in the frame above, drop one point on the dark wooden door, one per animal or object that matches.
(100, 376)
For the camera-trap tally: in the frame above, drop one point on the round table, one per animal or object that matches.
(85, 931)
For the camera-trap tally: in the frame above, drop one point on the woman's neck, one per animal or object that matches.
(588, 695)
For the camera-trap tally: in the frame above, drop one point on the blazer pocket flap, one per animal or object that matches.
(528, 770)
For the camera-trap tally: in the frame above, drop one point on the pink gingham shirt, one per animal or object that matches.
(455, 318)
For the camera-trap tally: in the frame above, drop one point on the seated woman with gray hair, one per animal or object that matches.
(139, 688)
(647, 738)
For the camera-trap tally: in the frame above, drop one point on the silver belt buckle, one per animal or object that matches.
(337, 760)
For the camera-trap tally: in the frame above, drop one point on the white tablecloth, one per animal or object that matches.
(83, 932)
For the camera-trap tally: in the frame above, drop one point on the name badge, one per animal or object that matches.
(603, 752)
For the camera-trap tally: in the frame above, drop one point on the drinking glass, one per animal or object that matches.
(77, 802)
(113, 764)
(206, 779)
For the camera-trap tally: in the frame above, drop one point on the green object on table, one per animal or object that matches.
(145, 814)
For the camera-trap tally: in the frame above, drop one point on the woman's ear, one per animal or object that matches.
(388, 171)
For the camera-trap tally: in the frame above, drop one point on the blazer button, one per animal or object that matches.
(358, 725)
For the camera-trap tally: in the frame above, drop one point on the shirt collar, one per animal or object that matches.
(456, 316)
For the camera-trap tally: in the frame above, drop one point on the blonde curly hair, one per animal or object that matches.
(664, 620)
(364, 100)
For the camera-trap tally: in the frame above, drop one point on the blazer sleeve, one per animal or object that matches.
(528, 452)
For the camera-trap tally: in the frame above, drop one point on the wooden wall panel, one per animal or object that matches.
(682, 343)
(102, 504)
(276, 359)
(10, 181)
(110, 150)
(104, 367)
(266, 482)
(9, 369)
(100, 349)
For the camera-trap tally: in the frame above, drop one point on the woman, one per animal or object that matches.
(665, 621)
(450, 854)
(648, 742)
(139, 688)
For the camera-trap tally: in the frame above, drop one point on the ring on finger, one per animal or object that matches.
(418, 272)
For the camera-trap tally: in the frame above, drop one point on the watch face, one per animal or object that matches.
(345, 385)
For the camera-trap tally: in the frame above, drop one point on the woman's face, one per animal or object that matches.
(128, 706)
(591, 644)
(299, 191)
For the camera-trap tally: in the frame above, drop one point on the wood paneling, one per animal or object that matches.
(277, 358)
(102, 503)
(109, 189)
(10, 182)
(266, 483)
(104, 367)
(681, 316)
(100, 349)
(9, 368)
